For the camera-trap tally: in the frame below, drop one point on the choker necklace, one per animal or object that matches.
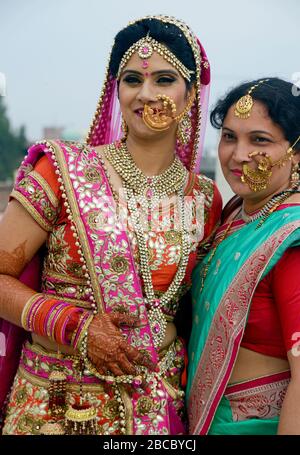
(159, 186)
(135, 183)
(268, 208)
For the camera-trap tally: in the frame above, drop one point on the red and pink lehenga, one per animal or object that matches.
(92, 259)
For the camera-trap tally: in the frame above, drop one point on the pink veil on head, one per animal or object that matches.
(106, 125)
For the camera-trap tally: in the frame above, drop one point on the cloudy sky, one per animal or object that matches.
(53, 53)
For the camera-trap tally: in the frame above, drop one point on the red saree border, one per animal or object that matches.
(257, 382)
(259, 398)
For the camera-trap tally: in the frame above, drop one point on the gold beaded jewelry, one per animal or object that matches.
(295, 177)
(154, 188)
(124, 129)
(258, 179)
(192, 40)
(145, 48)
(184, 129)
(160, 120)
(159, 186)
(245, 103)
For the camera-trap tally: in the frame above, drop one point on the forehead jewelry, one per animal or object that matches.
(258, 179)
(245, 103)
(145, 48)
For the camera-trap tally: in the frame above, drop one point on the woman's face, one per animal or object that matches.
(139, 86)
(258, 133)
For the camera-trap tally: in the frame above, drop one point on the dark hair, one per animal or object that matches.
(278, 97)
(168, 34)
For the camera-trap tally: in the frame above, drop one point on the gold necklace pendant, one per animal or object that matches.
(158, 325)
(159, 186)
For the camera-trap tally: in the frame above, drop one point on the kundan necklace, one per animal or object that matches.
(170, 181)
(137, 184)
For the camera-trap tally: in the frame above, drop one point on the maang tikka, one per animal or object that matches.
(245, 103)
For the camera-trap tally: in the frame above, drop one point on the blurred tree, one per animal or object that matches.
(13, 145)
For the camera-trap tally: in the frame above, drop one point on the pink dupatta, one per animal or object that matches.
(14, 337)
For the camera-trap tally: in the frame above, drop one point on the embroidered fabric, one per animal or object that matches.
(62, 274)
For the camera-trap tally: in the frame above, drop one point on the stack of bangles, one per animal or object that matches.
(55, 319)
(68, 325)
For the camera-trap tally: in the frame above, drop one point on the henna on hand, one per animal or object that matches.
(13, 263)
(107, 348)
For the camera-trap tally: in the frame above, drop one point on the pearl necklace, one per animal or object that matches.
(135, 182)
(156, 316)
(268, 208)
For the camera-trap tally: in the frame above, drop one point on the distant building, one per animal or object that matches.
(5, 190)
(64, 134)
(52, 132)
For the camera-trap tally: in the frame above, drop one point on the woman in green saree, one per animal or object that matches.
(244, 364)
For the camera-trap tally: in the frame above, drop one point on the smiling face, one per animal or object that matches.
(141, 83)
(258, 133)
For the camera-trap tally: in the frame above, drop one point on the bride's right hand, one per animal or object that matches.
(107, 348)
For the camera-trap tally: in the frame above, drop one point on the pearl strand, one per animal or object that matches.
(75, 234)
(156, 317)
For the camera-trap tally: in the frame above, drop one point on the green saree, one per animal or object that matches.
(220, 313)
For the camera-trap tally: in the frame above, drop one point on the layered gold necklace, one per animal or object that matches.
(137, 184)
(162, 185)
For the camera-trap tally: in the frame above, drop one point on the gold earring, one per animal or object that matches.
(184, 130)
(295, 177)
(124, 128)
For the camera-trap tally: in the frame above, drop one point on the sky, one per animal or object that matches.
(53, 54)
